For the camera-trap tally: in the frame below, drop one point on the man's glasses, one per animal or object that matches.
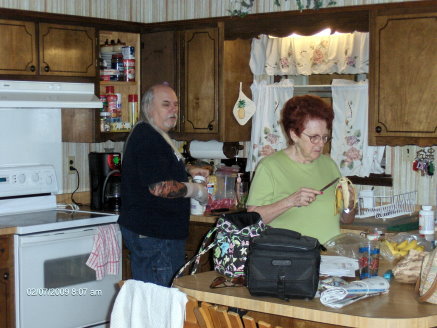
(316, 138)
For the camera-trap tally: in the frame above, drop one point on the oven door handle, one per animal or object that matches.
(48, 237)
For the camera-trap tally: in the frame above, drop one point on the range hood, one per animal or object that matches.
(32, 94)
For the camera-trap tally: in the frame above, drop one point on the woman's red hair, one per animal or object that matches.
(298, 110)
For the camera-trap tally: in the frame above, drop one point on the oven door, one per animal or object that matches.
(55, 288)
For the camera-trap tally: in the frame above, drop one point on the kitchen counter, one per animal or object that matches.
(397, 309)
(397, 224)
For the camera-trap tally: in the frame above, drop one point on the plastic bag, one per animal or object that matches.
(397, 246)
(345, 244)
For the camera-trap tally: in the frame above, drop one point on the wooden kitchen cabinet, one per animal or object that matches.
(18, 50)
(205, 70)
(199, 93)
(122, 88)
(7, 308)
(67, 50)
(31, 48)
(403, 78)
(83, 125)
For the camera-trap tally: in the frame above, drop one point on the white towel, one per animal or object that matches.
(147, 305)
(105, 255)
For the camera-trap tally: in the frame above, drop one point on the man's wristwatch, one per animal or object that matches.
(347, 211)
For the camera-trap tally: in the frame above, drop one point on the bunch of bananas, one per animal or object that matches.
(401, 249)
(343, 194)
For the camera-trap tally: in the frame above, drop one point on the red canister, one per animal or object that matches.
(111, 98)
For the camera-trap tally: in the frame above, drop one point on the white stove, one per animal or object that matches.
(54, 288)
(28, 202)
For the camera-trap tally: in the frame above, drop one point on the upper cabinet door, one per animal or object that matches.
(200, 73)
(403, 106)
(67, 50)
(18, 50)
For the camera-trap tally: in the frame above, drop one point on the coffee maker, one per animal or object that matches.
(105, 179)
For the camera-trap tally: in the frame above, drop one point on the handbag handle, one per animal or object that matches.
(433, 286)
(202, 250)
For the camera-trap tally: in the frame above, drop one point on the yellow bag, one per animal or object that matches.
(427, 283)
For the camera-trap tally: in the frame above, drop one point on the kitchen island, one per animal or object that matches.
(397, 309)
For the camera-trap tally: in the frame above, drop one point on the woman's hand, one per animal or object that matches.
(303, 197)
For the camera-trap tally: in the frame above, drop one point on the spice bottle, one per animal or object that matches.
(105, 121)
(117, 65)
(196, 207)
(133, 109)
(111, 99)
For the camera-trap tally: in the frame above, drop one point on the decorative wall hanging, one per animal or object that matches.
(244, 108)
(424, 162)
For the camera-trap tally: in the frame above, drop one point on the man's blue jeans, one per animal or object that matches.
(152, 259)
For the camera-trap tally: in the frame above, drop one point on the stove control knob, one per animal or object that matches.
(49, 180)
(22, 178)
(35, 177)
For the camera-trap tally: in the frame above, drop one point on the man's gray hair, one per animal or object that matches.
(146, 105)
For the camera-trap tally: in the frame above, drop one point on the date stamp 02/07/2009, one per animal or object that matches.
(63, 292)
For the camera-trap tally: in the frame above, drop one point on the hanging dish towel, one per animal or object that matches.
(146, 305)
(244, 108)
(105, 255)
(349, 148)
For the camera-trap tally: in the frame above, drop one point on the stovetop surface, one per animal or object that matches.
(56, 219)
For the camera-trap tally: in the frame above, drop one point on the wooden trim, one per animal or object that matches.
(373, 179)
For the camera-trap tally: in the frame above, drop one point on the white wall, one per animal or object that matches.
(148, 11)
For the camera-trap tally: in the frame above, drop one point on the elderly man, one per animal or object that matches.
(155, 191)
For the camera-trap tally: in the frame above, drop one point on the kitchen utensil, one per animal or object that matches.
(329, 184)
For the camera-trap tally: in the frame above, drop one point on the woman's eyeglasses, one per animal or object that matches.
(221, 282)
(316, 138)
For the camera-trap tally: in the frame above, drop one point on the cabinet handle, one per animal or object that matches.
(378, 129)
(210, 127)
(6, 276)
(46, 68)
(32, 68)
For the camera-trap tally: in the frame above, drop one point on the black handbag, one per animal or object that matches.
(282, 263)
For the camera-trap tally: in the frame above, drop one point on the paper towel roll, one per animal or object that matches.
(207, 149)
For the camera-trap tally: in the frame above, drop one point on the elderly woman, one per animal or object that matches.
(285, 190)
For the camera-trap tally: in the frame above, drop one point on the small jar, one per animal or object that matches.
(196, 207)
(105, 121)
(117, 64)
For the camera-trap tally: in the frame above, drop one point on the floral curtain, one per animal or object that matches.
(345, 53)
(349, 147)
(267, 134)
